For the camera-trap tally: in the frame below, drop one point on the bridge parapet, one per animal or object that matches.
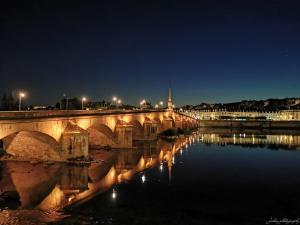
(15, 115)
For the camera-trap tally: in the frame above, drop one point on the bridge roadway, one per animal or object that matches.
(64, 134)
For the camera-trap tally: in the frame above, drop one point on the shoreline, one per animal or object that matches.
(257, 124)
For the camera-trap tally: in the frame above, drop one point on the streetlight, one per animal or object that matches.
(143, 102)
(67, 101)
(161, 103)
(119, 103)
(115, 99)
(156, 106)
(83, 100)
(21, 95)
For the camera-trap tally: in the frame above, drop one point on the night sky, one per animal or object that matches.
(212, 51)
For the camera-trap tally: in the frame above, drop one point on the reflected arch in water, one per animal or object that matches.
(57, 186)
(32, 182)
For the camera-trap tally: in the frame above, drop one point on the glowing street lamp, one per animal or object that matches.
(83, 99)
(161, 103)
(115, 99)
(156, 106)
(143, 102)
(119, 102)
(21, 95)
(67, 101)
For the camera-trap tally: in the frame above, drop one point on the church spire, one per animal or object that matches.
(170, 99)
(170, 93)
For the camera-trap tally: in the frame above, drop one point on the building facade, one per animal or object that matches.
(283, 115)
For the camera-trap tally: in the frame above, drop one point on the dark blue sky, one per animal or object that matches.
(213, 51)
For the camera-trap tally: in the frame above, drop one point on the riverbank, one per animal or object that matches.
(257, 124)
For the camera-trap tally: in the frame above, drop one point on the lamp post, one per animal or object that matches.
(115, 100)
(119, 102)
(21, 95)
(65, 96)
(161, 103)
(83, 99)
(142, 103)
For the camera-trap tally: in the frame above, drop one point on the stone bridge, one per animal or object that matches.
(61, 135)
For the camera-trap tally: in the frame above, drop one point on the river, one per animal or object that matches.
(210, 177)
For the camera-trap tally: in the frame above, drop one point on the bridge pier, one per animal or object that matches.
(74, 142)
(124, 135)
(150, 130)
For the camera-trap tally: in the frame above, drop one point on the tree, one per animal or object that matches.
(4, 102)
(57, 105)
(12, 104)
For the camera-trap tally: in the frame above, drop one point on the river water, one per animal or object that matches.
(211, 177)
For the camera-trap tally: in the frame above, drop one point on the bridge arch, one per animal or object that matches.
(158, 124)
(101, 135)
(32, 145)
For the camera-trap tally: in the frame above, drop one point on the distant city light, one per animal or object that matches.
(114, 99)
(161, 103)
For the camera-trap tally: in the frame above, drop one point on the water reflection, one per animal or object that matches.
(50, 188)
(288, 140)
(53, 187)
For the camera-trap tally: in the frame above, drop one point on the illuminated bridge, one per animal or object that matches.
(60, 135)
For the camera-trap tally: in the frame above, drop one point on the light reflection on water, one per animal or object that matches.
(203, 171)
(53, 187)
